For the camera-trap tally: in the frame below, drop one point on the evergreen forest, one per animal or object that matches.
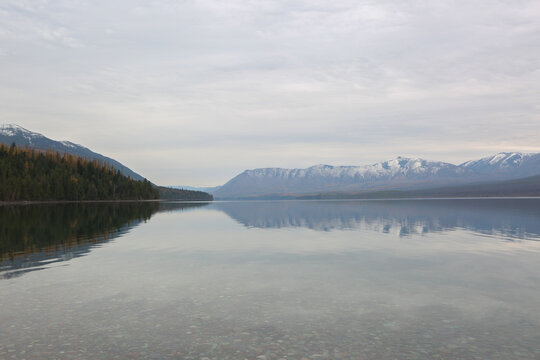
(34, 175)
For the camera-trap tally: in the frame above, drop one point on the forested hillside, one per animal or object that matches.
(12, 133)
(27, 174)
(181, 194)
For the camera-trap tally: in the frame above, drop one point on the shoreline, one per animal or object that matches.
(58, 202)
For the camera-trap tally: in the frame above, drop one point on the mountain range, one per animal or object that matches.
(408, 176)
(401, 173)
(12, 133)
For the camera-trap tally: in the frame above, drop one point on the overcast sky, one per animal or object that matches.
(194, 92)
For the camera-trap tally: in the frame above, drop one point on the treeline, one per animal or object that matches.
(181, 194)
(28, 174)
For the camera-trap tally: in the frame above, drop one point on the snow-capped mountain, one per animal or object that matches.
(506, 165)
(11, 133)
(399, 173)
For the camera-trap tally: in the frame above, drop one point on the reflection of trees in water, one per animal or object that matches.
(31, 235)
(171, 206)
(512, 218)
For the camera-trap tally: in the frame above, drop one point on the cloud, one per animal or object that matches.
(343, 82)
(59, 36)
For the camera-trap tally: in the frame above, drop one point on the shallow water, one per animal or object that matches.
(411, 279)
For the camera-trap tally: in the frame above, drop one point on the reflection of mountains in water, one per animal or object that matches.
(511, 218)
(34, 236)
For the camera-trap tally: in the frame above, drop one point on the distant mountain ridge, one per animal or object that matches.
(12, 133)
(396, 174)
(506, 165)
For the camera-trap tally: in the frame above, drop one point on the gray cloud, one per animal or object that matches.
(192, 92)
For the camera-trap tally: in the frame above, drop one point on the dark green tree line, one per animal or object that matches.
(28, 174)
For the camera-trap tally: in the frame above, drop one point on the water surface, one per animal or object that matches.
(411, 279)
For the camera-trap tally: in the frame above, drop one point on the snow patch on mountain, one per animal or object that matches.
(7, 131)
(501, 160)
(70, 144)
(14, 130)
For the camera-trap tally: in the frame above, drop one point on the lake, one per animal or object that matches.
(407, 279)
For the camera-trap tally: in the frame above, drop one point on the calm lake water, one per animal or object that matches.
(414, 279)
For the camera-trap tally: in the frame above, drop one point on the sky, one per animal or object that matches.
(194, 92)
